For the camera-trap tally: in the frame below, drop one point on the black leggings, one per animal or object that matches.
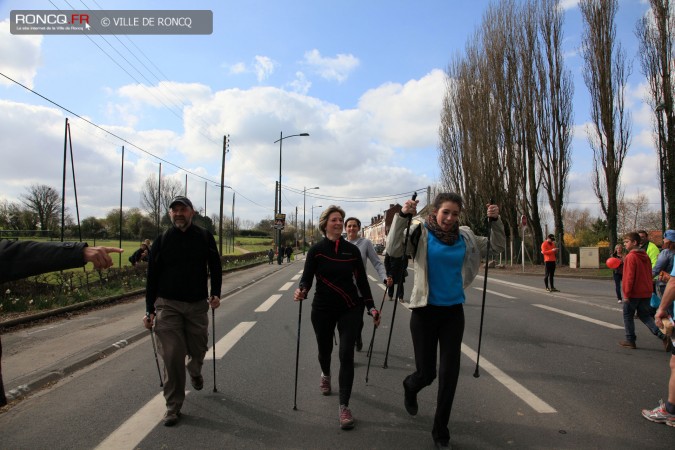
(349, 325)
(431, 327)
(550, 271)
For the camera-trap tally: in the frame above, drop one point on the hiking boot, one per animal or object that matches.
(667, 344)
(197, 382)
(410, 401)
(628, 344)
(325, 384)
(346, 419)
(171, 418)
(659, 415)
(554, 290)
(359, 343)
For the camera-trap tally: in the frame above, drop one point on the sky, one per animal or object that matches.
(365, 79)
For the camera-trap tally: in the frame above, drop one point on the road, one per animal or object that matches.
(551, 376)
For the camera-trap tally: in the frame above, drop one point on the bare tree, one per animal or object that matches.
(656, 34)
(605, 74)
(155, 200)
(45, 202)
(554, 112)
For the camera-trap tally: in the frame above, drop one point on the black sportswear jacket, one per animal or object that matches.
(336, 265)
(20, 259)
(177, 267)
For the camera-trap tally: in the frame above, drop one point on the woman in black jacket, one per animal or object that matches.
(335, 263)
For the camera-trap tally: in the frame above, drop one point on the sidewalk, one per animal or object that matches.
(35, 356)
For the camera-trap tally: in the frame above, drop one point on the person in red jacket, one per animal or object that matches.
(637, 291)
(550, 251)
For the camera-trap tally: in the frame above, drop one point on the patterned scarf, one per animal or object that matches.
(447, 237)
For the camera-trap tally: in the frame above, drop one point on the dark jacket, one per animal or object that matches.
(177, 267)
(336, 264)
(20, 259)
(396, 267)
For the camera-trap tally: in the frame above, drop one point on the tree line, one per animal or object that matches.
(506, 121)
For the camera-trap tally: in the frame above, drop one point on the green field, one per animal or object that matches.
(242, 245)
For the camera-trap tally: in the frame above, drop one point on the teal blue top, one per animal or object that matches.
(444, 271)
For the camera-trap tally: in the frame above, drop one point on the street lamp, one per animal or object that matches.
(304, 239)
(277, 208)
(312, 219)
(659, 109)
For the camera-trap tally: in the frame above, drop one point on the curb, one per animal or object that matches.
(56, 375)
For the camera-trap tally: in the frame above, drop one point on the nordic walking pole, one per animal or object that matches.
(297, 353)
(213, 333)
(476, 374)
(154, 348)
(372, 339)
(399, 285)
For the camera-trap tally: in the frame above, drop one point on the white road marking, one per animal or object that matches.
(296, 277)
(372, 278)
(227, 342)
(580, 317)
(524, 287)
(267, 304)
(512, 385)
(136, 427)
(286, 286)
(493, 292)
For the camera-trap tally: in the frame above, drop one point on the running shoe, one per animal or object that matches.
(659, 415)
(346, 419)
(325, 385)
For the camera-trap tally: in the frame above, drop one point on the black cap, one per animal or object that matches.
(181, 199)
(550, 236)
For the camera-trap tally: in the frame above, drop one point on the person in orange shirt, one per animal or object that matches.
(550, 251)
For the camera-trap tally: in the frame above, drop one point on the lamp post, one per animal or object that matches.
(659, 109)
(304, 202)
(312, 219)
(277, 208)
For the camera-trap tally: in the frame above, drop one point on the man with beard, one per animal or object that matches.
(177, 301)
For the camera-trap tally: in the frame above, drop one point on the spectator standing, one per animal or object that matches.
(289, 253)
(664, 262)
(270, 255)
(649, 247)
(637, 289)
(550, 252)
(617, 273)
(177, 301)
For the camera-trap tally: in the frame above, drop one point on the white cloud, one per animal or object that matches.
(19, 56)
(165, 94)
(338, 68)
(301, 84)
(407, 115)
(238, 68)
(264, 67)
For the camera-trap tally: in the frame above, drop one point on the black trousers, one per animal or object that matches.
(349, 325)
(548, 274)
(432, 327)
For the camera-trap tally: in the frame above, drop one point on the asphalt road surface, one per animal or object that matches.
(551, 377)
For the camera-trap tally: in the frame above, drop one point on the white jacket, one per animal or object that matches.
(476, 248)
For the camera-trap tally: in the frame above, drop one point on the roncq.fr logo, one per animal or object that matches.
(51, 19)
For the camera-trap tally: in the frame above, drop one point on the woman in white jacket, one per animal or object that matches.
(446, 260)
